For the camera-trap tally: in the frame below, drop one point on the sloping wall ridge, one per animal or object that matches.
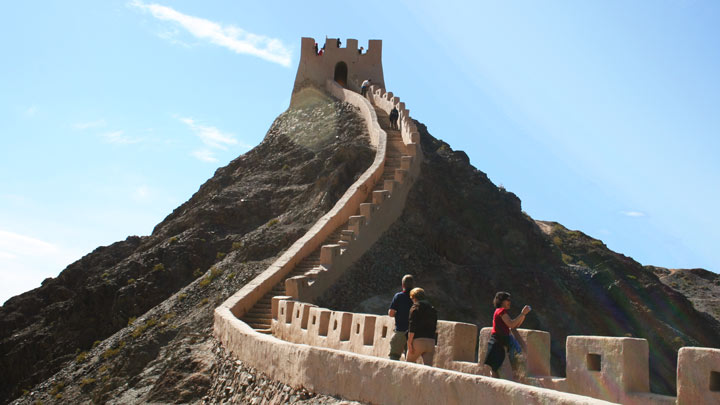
(351, 375)
(242, 301)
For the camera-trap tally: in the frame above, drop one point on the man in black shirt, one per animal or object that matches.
(400, 310)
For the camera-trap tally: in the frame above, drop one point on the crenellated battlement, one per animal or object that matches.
(345, 65)
(608, 368)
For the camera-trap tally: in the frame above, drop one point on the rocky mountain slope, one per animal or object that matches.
(132, 317)
(464, 239)
(131, 322)
(702, 287)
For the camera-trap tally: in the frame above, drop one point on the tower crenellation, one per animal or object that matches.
(346, 65)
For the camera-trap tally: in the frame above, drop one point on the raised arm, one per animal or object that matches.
(514, 323)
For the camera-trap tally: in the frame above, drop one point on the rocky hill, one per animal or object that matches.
(131, 322)
(702, 287)
(135, 316)
(464, 239)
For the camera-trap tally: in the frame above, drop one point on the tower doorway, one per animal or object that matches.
(341, 72)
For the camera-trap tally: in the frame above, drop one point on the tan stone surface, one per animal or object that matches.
(372, 379)
(536, 353)
(695, 365)
(314, 69)
(623, 366)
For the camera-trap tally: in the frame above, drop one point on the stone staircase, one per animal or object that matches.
(259, 317)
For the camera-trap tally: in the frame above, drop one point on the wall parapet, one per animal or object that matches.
(373, 379)
(240, 302)
(607, 368)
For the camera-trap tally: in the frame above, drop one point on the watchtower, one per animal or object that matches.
(347, 65)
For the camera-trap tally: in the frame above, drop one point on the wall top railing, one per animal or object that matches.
(609, 368)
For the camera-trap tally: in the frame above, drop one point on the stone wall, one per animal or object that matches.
(240, 302)
(374, 218)
(372, 379)
(340, 353)
(314, 70)
(357, 376)
(607, 368)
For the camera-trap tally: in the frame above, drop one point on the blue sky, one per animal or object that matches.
(600, 115)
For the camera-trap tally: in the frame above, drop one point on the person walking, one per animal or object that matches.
(501, 340)
(394, 114)
(400, 310)
(421, 328)
(364, 87)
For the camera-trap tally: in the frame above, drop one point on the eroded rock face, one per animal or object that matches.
(702, 287)
(246, 214)
(465, 239)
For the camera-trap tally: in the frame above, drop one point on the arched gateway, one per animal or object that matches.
(341, 73)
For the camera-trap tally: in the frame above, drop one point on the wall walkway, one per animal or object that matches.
(310, 265)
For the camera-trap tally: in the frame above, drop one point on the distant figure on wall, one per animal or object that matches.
(394, 114)
(501, 339)
(364, 87)
(338, 43)
(316, 49)
(400, 310)
(360, 51)
(421, 329)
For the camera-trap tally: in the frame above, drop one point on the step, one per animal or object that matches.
(309, 262)
(259, 326)
(300, 270)
(264, 317)
(258, 312)
(257, 318)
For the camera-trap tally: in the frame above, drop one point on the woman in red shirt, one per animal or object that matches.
(500, 339)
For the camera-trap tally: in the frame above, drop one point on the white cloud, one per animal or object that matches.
(633, 213)
(213, 138)
(229, 36)
(205, 155)
(13, 244)
(90, 124)
(210, 136)
(25, 261)
(6, 255)
(31, 111)
(142, 193)
(119, 137)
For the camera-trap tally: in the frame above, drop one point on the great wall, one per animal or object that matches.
(272, 325)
